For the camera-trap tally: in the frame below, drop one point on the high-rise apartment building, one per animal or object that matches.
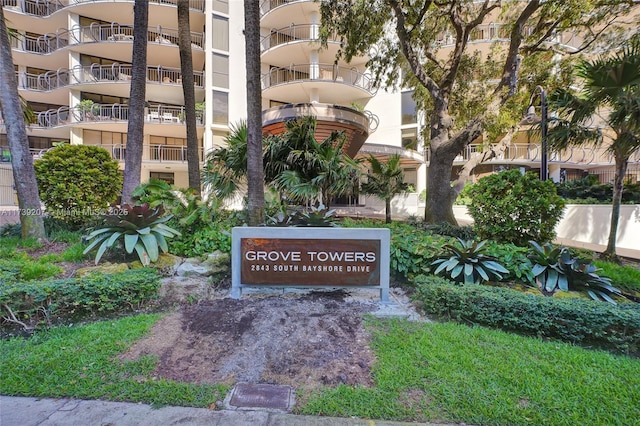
(73, 64)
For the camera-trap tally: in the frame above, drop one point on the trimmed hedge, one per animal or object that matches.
(583, 322)
(44, 302)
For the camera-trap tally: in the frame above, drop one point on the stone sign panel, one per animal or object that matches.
(310, 257)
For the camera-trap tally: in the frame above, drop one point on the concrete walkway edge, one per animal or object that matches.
(21, 411)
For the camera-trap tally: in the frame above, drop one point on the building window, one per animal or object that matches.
(165, 176)
(161, 140)
(220, 107)
(220, 70)
(409, 114)
(411, 177)
(221, 6)
(410, 138)
(220, 33)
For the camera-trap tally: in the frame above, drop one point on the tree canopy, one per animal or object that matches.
(428, 46)
(609, 100)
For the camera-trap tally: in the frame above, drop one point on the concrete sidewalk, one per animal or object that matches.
(18, 411)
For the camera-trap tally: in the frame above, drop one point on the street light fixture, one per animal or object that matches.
(531, 118)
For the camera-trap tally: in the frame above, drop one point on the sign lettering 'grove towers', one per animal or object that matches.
(310, 257)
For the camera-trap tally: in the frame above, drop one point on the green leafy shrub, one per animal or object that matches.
(34, 303)
(515, 260)
(588, 190)
(583, 322)
(139, 228)
(205, 240)
(11, 230)
(447, 229)
(412, 250)
(77, 182)
(514, 208)
(556, 269)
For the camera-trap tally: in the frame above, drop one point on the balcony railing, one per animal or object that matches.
(160, 153)
(318, 72)
(44, 8)
(268, 5)
(532, 152)
(161, 114)
(290, 34)
(97, 73)
(500, 32)
(48, 43)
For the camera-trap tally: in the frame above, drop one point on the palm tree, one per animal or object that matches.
(255, 171)
(385, 181)
(315, 170)
(186, 70)
(225, 168)
(611, 96)
(22, 164)
(135, 130)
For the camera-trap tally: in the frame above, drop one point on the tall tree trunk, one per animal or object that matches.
(21, 161)
(387, 210)
(186, 69)
(137, 98)
(440, 194)
(255, 168)
(618, 183)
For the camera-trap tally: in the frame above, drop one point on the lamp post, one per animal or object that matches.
(531, 114)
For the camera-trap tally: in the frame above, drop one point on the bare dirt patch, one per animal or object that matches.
(304, 340)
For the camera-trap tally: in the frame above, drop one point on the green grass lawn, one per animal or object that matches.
(437, 372)
(81, 362)
(455, 373)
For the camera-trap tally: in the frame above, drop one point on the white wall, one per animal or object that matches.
(387, 107)
(587, 226)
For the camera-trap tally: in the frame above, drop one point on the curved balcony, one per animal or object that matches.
(293, 44)
(111, 117)
(164, 83)
(485, 33)
(354, 124)
(407, 156)
(339, 85)
(106, 41)
(278, 13)
(22, 12)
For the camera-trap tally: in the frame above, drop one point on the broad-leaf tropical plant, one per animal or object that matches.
(610, 97)
(140, 228)
(556, 269)
(467, 262)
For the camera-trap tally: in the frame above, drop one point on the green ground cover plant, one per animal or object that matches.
(585, 322)
(82, 362)
(456, 373)
(32, 304)
(626, 278)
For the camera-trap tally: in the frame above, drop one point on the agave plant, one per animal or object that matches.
(468, 263)
(140, 228)
(556, 269)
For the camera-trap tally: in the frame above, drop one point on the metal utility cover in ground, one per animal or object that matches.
(251, 396)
